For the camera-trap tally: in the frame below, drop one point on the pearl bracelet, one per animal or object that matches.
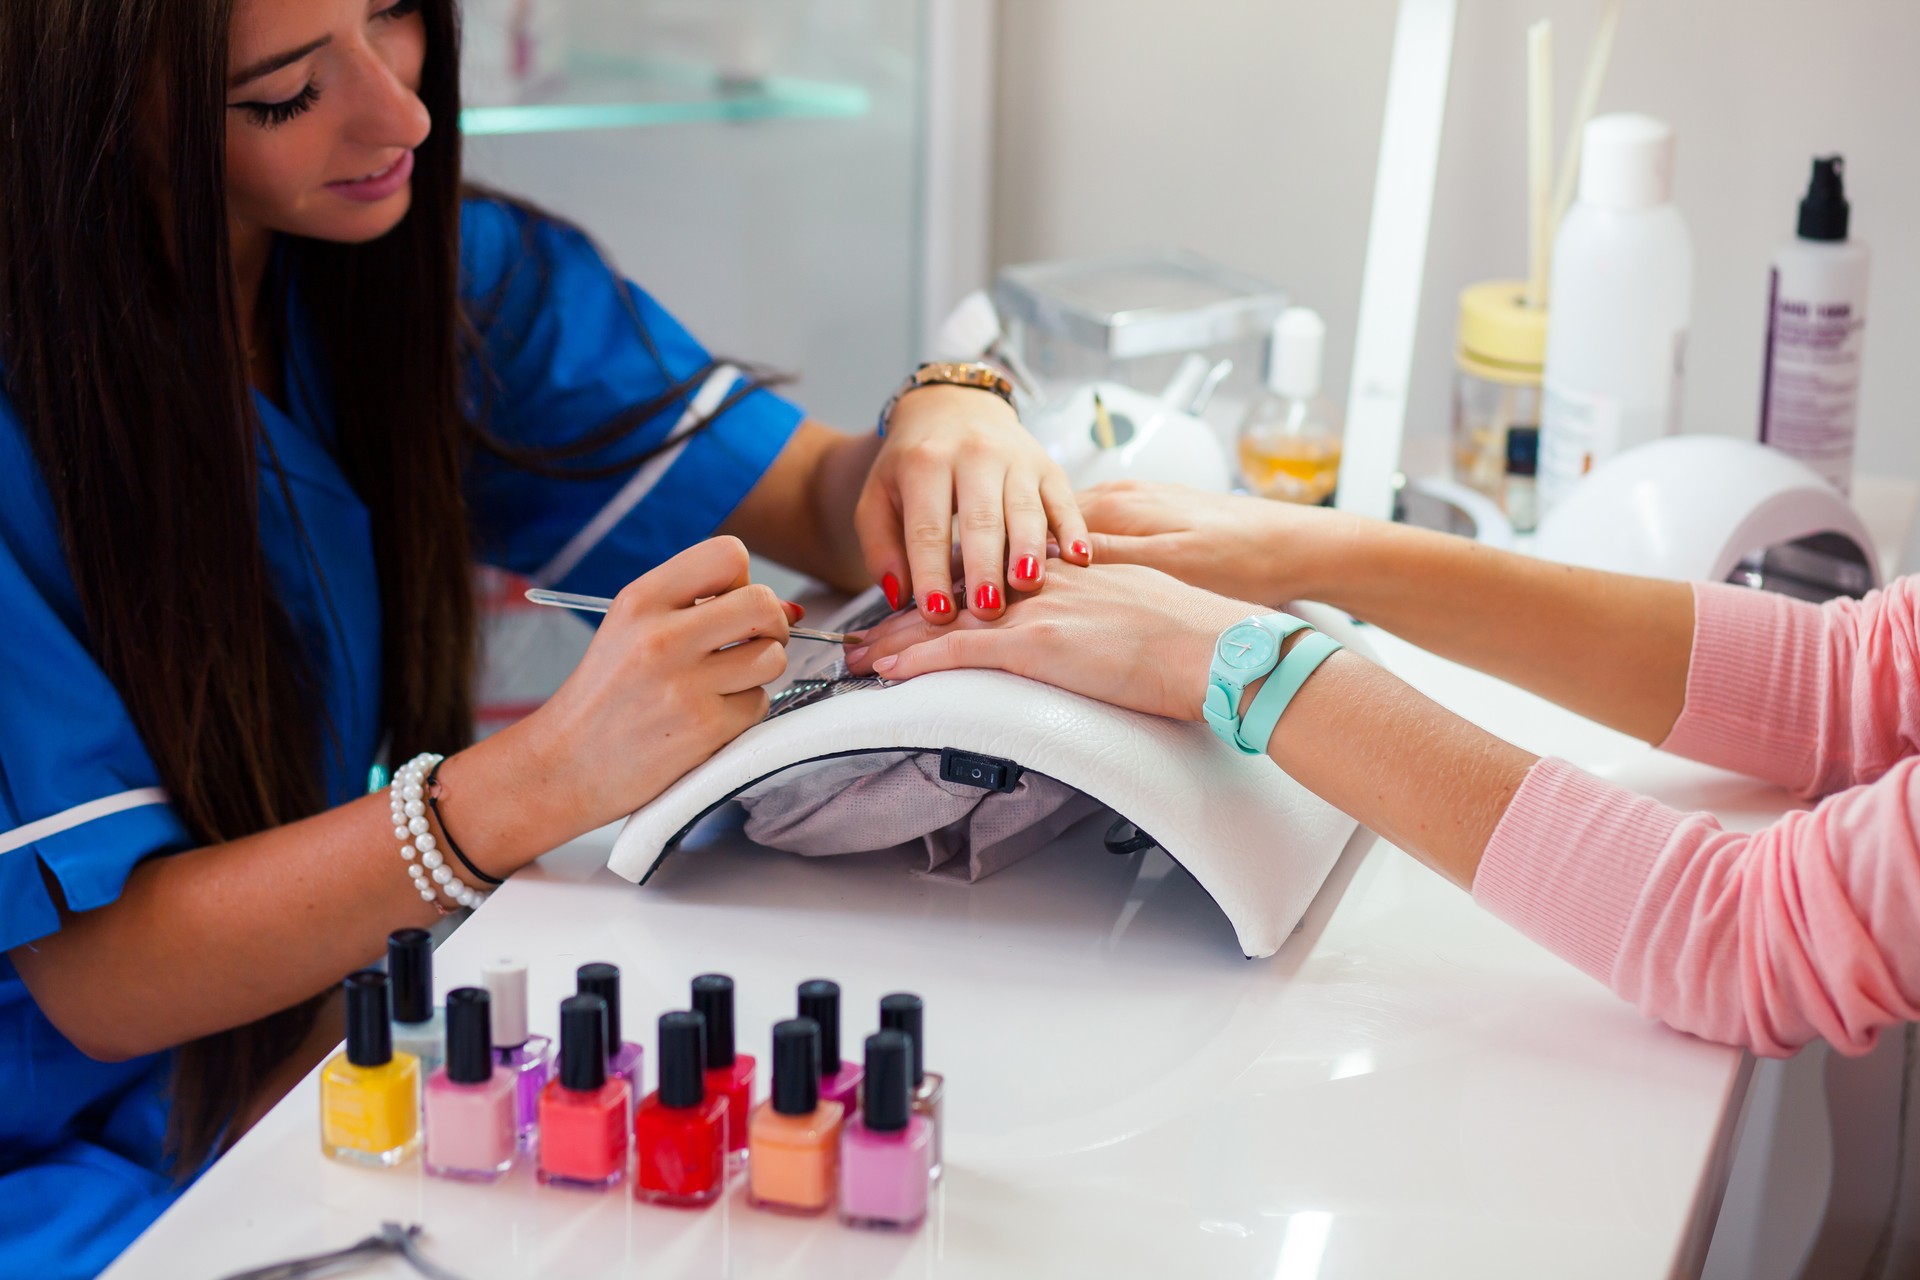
(415, 833)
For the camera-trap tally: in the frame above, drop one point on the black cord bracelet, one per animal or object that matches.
(446, 832)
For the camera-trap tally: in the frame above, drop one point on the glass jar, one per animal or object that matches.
(1498, 361)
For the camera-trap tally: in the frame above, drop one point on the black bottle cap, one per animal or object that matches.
(683, 1058)
(1523, 451)
(796, 1066)
(905, 1012)
(469, 1035)
(369, 1038)
(410, 968)
(1824, 210)
(713, 1000)
(603, 980)
(583, 1045)
(887, 1092)
(820, 1000)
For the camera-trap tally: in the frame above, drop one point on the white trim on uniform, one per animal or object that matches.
(635, 490)
(79, 815)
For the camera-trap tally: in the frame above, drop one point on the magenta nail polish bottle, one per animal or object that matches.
(522, 1057)
(839, 1080)
(623, 1056)
(886, 1152)
(473, 1129)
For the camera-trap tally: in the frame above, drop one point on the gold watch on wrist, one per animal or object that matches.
(939, 373)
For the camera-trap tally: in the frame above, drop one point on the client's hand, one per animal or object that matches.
(1124, 634)
(1249, 548)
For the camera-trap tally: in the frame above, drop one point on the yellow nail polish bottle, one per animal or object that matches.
(369, 1095)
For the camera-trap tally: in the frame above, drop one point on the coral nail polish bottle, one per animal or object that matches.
(680, 1131)
(839, 1081)
(886, 1151)
(793, 1139)
(584, 1115)
(369, 1094)
(623, 1056)
(525, 1058)
(728, 1073)
(418, 1028)
(473, 1130)
(906, 1013)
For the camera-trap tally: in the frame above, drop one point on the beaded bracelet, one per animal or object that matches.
(415, 833)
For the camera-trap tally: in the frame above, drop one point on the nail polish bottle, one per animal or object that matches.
(369, 1094)
(680, 1131)
(793, 1138)
(902, 1011)
(728, 1073)
(584, 1115)
(886, 1152)
(523, 1057)
(418, 1028)
(473, 1131)
(839, 1081)
(623, 1056)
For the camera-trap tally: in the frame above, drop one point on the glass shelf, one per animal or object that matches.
(602, 92)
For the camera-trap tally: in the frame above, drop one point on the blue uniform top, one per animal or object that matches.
(81, 1167)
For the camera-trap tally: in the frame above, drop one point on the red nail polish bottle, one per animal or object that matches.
(680, 1131)
(987, 597)
(728, 1074)
(584, 1114)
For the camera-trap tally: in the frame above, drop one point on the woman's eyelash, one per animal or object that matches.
(401, 9)
(271, 115)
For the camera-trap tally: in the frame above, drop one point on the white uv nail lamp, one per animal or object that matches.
(1258, 842)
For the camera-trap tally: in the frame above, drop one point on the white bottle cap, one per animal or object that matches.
(1626, 162)
(1293, 357)
(506, 984)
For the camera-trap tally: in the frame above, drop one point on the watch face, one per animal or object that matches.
(1247, 646)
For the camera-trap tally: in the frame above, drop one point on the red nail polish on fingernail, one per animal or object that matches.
(938, 604)
(891, 586)
(1082, 550)
(987, 597)
(795, 612)
(1028, 569)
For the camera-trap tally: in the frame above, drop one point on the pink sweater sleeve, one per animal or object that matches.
(1813, 697)
(1807, 930)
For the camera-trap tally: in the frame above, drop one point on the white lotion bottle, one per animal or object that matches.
(1816, 325)
(1622, 290)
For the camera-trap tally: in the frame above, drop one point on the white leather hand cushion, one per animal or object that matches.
(1257, 841)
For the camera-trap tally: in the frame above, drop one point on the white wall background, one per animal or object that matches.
(1247, 130)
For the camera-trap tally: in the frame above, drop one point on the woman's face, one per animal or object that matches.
(323, 114)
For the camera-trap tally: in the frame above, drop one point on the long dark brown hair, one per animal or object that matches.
(121, 353)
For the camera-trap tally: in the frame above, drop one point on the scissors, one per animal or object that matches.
(600, 604)
(393, 1238)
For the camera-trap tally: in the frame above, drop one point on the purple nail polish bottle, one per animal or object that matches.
(525, 1057)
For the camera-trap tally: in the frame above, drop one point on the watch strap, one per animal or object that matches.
(940, 373)
(1301, 661)
(1226, 685)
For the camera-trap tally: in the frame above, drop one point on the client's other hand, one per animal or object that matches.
(1124, 634)
(1250, 548)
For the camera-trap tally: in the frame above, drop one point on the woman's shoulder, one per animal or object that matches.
(508, 246)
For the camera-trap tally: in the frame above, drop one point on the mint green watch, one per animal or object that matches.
(1244, 653)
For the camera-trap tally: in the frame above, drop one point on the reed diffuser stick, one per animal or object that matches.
(1539, 160)
(1596, 75)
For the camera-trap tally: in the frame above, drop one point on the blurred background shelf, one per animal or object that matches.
(608, 92)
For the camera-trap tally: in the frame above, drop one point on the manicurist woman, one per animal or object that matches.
(1806, 930)
(272, 384)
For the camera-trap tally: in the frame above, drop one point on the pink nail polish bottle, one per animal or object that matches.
(839, 1080)
(886, 1151)
(473, 1127)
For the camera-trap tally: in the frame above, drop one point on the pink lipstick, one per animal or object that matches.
(377, 186)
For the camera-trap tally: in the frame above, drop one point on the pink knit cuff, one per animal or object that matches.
(1570, 859)
(1754, 685)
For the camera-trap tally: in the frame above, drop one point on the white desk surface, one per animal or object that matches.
(1408, 1088)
